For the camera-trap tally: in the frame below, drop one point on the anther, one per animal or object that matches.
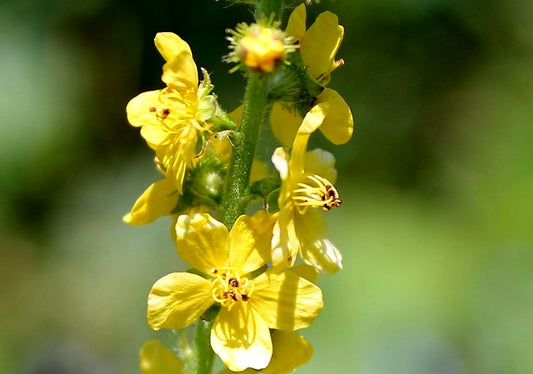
(233, 282)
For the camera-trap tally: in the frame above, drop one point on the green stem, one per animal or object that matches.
(255, 104)
(204, 355)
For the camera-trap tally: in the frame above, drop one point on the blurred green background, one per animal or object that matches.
(437, 225)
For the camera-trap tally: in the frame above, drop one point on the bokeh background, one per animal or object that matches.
(437, 223)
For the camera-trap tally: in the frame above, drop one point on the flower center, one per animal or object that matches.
(229, 288)
(315, 191)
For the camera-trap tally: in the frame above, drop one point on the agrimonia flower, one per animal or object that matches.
(318, 47)
(306, 188)
(172, 120)
(249, 306)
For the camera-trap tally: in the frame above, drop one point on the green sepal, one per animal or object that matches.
(203, 185)
(271, 201)
(265, 186)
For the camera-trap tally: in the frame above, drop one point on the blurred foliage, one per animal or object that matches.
(437, 182)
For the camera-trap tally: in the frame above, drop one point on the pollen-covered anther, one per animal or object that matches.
(160, 113)
(229, 288)
(317, 192)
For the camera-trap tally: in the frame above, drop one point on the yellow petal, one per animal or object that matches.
(280, 159)
(337, 125)
(312, 120)
(177, 300)
(307, 272)
(140, 111)
(315, 249)
(250, 240)
(236, 115)
(180, 71)
(259, 170)
(296, 23)
(286, 301)
(138, 108)
(322, 163)
(285, 245)
(284, 123)
(158, 200)
(241, 338)
(290, 351)
(155, 358)
(202, 242)
(320, 44)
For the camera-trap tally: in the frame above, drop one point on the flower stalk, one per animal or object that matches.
(204, 355)
(255, 105)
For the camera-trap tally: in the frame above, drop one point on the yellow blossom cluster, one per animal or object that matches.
(253, 279)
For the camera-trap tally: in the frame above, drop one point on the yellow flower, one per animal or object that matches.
(262, 48)
(240, 335)
(318, 46)
(155, 358)
(306, 184)
(171, 119)
(259, 47)
(290, 351)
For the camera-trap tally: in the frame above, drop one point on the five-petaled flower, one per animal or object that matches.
(318, 47)
(306, 184)
(249, 306)
(172, 120)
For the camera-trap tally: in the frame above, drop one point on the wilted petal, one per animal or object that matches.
(337, 125)
(177, 300)
(180, 71)
(202, 242)
(241, 338)
(158, 200)
(155, 358)
(250, 240)
(286, 301)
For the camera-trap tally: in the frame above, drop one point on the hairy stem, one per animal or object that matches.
(203, 354)
(255, 104)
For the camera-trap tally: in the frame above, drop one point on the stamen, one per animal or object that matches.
(324, 77)
(315, 191)
(229, 288)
